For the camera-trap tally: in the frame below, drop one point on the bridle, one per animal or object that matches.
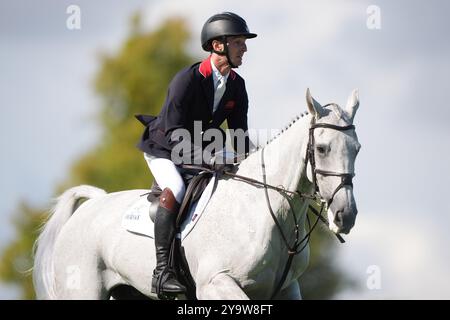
(346, 180)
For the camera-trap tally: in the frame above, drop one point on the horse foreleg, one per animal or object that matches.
(221, 287)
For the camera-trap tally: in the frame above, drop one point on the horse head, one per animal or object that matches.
(332, 150)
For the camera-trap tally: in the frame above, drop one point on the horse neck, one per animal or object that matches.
(284, 157)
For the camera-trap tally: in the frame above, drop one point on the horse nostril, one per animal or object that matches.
(338, 219)
(344, 221)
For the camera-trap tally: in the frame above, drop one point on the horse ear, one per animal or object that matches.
(352, 105)
(313, 106)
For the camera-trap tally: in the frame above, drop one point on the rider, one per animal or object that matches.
(209, 92)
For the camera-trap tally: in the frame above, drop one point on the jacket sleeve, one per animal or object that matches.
(238, 119)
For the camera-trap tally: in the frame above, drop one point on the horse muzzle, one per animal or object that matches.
(342, 215)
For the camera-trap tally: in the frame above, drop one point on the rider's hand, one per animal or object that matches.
(219, 163)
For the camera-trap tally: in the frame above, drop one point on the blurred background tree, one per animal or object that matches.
(132, 81)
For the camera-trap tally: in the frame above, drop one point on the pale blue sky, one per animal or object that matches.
(401, 71)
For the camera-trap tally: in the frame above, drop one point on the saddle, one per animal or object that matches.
(196, 179)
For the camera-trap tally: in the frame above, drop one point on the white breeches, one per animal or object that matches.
(166, 175)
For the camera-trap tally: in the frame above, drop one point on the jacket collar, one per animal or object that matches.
(206, 70)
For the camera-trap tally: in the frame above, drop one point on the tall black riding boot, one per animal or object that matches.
(164, 279)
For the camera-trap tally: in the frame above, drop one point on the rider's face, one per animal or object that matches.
(236, 49)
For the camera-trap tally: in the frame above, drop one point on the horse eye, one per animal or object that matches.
(321, 149)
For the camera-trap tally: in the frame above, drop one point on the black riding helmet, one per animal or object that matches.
(219, 27)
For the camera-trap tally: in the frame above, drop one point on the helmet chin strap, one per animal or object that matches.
(225, 52)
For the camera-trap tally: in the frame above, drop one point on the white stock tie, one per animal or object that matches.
(221, 86)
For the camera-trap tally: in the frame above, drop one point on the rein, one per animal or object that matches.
(346, 180)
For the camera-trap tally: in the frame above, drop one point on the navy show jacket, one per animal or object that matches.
(190, 98)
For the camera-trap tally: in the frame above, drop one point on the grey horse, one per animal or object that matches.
(236, 250)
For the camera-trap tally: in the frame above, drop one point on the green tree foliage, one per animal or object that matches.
(16, 259)
(134, 80)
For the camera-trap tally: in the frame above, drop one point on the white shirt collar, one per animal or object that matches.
(217, 75)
